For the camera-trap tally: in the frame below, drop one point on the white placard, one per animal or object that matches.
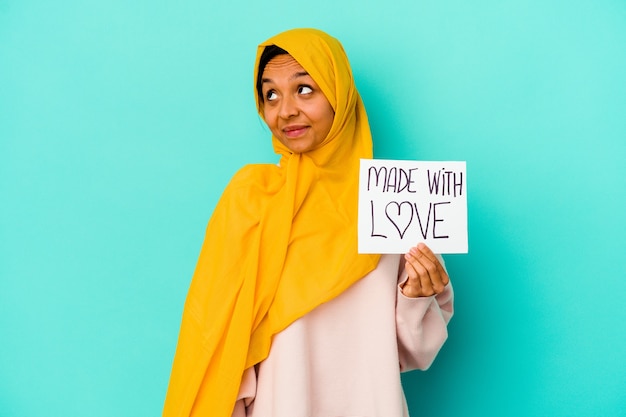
(402, 203)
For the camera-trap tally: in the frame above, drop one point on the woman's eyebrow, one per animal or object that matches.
(299, 74)
(293, 77)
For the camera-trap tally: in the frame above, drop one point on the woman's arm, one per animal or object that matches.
(421, 321)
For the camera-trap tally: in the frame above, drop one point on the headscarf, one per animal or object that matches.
(281, 241)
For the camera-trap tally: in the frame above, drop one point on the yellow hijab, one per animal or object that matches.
(282, 240)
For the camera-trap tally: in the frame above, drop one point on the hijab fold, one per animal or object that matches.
(281, 241)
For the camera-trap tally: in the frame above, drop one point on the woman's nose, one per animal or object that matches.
(288, 107)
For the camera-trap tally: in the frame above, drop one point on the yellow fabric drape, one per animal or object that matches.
(281, 241)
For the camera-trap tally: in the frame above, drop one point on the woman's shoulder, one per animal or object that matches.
(255, 175)
(253, 182)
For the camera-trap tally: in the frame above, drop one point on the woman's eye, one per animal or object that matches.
(271, 95)
(305, 89)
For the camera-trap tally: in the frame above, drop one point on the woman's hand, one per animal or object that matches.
(426, 274)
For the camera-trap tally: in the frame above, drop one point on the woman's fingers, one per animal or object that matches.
(413, 285)
(418, 283)
(437, 272)
(426, 275)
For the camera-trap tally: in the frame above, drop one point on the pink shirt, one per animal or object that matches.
(344, 358)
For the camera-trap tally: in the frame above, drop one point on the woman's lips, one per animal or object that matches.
(295, 131)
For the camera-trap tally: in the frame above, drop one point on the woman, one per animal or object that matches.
(283, 316)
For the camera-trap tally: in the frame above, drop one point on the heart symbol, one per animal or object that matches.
(402, 217)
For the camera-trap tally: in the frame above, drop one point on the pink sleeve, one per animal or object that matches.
(247, 392)
(421, 326)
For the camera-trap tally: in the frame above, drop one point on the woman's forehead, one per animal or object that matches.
(283, 64)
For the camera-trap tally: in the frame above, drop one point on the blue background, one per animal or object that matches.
(121, 122)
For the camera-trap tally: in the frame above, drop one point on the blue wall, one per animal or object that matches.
(121, 122)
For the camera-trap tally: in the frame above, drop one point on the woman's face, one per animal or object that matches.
(294, 107)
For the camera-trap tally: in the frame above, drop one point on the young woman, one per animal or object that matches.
(283, 317)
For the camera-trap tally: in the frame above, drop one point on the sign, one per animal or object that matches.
(402, 203)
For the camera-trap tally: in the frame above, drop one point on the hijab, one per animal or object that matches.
(281, 241)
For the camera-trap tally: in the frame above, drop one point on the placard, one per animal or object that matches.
(402, 203)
